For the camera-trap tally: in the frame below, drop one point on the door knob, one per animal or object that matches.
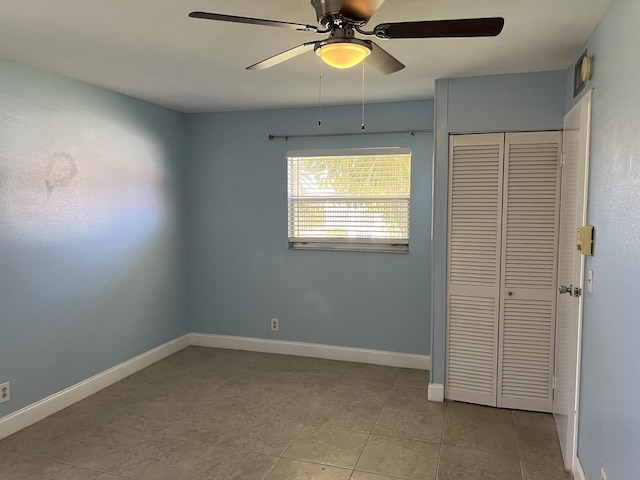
(564, 289)
(571, 290)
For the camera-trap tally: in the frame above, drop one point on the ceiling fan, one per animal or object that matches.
(341, 19)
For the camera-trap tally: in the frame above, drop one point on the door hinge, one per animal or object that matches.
(562, 160)
(553, 383)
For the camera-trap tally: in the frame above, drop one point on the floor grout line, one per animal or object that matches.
(515, 434)
(444, 426)
(374, 424)
(306, 423)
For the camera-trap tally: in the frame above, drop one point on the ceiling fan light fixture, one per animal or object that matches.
(343, 54)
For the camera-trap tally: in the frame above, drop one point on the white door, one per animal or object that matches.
(570, 274)
(503, 231)
(529, 252)
(475, 218)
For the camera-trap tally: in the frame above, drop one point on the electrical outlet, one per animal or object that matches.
(5, 392)
(603, 476)
(274, 324)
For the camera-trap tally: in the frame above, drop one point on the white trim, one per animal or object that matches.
(349, 354)
(54, 403)
(436, 392)
(578, 471)
(37, 411)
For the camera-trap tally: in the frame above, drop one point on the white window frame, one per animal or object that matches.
(383, 245)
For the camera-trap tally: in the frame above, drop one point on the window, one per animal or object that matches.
(349, 200)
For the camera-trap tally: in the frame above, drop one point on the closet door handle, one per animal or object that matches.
(571, 290)
(510, 294)
(562, 289)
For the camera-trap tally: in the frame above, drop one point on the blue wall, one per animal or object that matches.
(94, 262)
(609, 425)
(241, 272)
(90, 266)
(521, 102)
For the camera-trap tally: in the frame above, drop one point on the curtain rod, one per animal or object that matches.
(316, 135)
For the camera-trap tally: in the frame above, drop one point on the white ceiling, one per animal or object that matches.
(151, 50)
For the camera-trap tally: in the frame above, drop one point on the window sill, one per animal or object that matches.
(351, 247)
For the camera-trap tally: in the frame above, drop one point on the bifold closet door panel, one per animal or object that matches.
(475, 219)
(529, 250)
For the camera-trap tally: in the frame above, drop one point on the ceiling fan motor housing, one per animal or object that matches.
(330, 12)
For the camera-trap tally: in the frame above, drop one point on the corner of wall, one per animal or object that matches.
(439, 230)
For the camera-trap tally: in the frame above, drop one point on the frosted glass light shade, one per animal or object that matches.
(343, 54)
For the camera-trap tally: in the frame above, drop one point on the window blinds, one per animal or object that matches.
(349, 200)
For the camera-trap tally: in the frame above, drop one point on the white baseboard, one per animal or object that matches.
(578, 471)
(436, 392)
(331, 352)
(35, 412)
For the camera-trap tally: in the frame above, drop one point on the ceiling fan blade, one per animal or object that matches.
(469, 27)
(360, 10)
(382, 60)
(253, 21)
(283, 56)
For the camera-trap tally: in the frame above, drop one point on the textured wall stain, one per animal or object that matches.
(60, 169)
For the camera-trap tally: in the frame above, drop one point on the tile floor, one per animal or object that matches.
(222, 414)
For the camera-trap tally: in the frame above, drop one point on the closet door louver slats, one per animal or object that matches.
(475, 211)
(472, 344)
(526, 352)
(529, 244)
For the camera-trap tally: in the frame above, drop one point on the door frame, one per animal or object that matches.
(571, 460)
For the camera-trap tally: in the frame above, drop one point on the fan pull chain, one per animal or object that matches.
(363, 125)
(320, 95)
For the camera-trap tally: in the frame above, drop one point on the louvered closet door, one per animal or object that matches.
(475, 217)
(528, 293)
